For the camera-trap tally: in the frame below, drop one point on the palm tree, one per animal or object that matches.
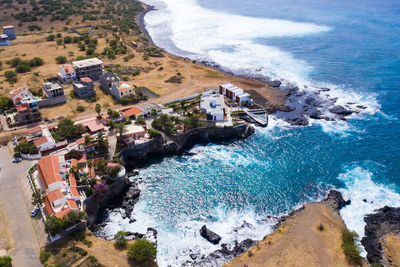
(120, 128)
(88, 141)
(37, 197)
(98, 109)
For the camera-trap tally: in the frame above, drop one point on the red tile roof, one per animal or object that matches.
(123, 89)
(62, 212)
(68, 68)
(49, 170)
(22, 107)
(40, 141)
(93, 124)
(54, 195)
(15, 92)
(72, 179)
(86, 79)
(72, 204)
(132, 111)
(47, 206)
(74, 192)
(35, 129)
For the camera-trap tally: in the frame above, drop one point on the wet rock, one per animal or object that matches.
(334, 100)
(316, 114)
(361, 107)
(300, 120)
(209, 235)
(274, 83)
(365, 200)
(193, 256)
(324, 89)
(335, 200)
(385, 221)
(312, 101)
(340, 110)
(151, 235)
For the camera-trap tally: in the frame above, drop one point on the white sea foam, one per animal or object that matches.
(176, 242)
(360, 186)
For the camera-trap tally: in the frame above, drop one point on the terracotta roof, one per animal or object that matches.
(74, 192)
(86, 79)
(83, 159)
(124, 86)
(8, 27)
(54, 195)
(47, 206)
(63, 212)
(93, 124)
(35, 129)
(72, 179)
(15, 92)
(132, 111)
(40, 141)
(68, 68)
(22, 107)
(72, 204)
(49, 170)
(80, 141)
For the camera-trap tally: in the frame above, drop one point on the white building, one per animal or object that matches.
(43, 140)
(243, 98)
(121, 89)
(67, 73)
(214, 106)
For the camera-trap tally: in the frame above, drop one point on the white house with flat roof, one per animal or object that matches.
(214, 106)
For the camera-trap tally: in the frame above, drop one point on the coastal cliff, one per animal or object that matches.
(382, 236)
(177, 144)
(310, 236)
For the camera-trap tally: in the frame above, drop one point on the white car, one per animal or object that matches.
(34, 212)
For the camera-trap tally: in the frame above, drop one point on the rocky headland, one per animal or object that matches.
(382, 236)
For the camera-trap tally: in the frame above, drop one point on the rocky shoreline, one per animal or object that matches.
(385, 221)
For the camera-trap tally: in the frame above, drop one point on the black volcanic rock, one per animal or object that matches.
(339, 110)
(274, 83)
(335, 200)
(385, 221)
(209, 235)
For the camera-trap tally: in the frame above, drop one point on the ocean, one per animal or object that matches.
(349, 46)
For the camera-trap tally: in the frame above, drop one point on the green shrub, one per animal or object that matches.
(374, 264)
(11, 76)
(350, 249)
(5, 261)
(80, 251)
(44, 256)
(61, 60)
(80, 108)
(154, 134)
(120, 240)
(142, 252)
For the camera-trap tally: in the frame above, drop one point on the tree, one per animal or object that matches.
(37, 197)
(191, 122)
(67, 129)
(102, 144)
(11, 76)
(140, 121)
(80, 108)
(5, 261)
(88, 141)
(6, 103)
(61, 60)
(50, 37)
(120, 240)
(22, 68)
(154, 112)
(120, 127)
(142, 252)
(98, 109)
(26, 147)
(154, 134)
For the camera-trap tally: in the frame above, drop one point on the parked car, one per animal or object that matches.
(34, 212)
(16, 160)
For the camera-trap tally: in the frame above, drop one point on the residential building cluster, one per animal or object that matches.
(235, 93)
(114, 86)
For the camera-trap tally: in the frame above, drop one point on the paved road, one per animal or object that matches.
(25, 248)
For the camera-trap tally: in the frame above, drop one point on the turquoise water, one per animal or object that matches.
(350, 46)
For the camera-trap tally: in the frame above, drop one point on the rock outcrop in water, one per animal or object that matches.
(211, 237)
(385, 221)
